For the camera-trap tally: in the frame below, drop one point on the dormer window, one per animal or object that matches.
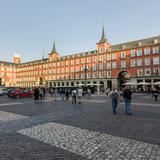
(139, 44)
(123, 47)
(155, 41)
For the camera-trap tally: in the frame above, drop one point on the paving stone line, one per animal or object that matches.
(7, 116)
(90, 144)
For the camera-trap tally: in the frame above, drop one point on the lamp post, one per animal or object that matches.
(85, 77)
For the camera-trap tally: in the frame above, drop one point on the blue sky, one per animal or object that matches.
(28, 27)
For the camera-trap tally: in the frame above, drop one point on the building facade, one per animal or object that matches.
(109, 65)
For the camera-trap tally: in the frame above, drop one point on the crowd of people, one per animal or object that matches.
(77, 94)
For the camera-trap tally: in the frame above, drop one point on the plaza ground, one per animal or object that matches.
(56, 130)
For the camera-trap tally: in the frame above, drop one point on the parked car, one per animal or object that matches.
(21, 93)
(1, 92)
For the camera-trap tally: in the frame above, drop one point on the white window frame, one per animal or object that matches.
(155, 50)
(155, 60)
(139, 72)
(147, 61)
(108, 65)
(114, 56)
(114, 64)
(146, 70)
(156, 70)
(108, 74)
(147, 51)
(133, 53)
(123, 64)
(139, 62)
(123, 54)
(139, 52)
(77, 61)
(94, 75)
(108, 56)
(133, 62)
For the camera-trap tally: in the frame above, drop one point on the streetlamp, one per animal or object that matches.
(85, 77)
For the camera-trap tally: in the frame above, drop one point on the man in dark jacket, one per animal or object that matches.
(127, 99)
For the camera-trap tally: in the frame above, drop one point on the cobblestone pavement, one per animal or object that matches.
(51, 129)
(92, 145)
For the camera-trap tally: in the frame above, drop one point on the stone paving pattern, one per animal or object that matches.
(94, 116)
(92, 145)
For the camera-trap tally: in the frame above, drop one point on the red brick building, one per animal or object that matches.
(109, 65)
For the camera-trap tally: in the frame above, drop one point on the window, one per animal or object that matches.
(133, 62)
(94, 67)
(108, 56)
(139, 72)
(67, 69)
(155, 60)
(113, 55)
(109, 74)
(72, 69)
(109, 65)
(67, 63)
(88, 75)
(82, 75)
(100, 74)
(123, 54)
(101, 58)
(77, 61)
(94, 75)
(77, 68)
(94, 59)
(133, 53)
(72, 76)
(147, 71)
(114, 64)
(147, 61)
(139, 62)
(146, 51)
(72, 62)
(88, 60)
(155, 71)
(155, 50)
(123, 64)
(82, 60)
(77, 76)
(101, 66)
(139, 52)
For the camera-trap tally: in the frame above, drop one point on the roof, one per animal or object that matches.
(136, 44)
(7, 63)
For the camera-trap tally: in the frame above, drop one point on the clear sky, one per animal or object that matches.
(28, 27)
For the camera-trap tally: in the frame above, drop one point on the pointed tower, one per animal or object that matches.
(103, 44)
(53, 56)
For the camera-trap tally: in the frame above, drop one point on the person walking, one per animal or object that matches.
(67, 95)
(36, 93)
(114, 96)
(155, 94)
(74, 93)
(127, 93)
(80, 91)
(41, 93)
(62, 94)
(44, 92)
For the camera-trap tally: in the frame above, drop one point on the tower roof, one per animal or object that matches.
(103, 38)
(54, 49)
